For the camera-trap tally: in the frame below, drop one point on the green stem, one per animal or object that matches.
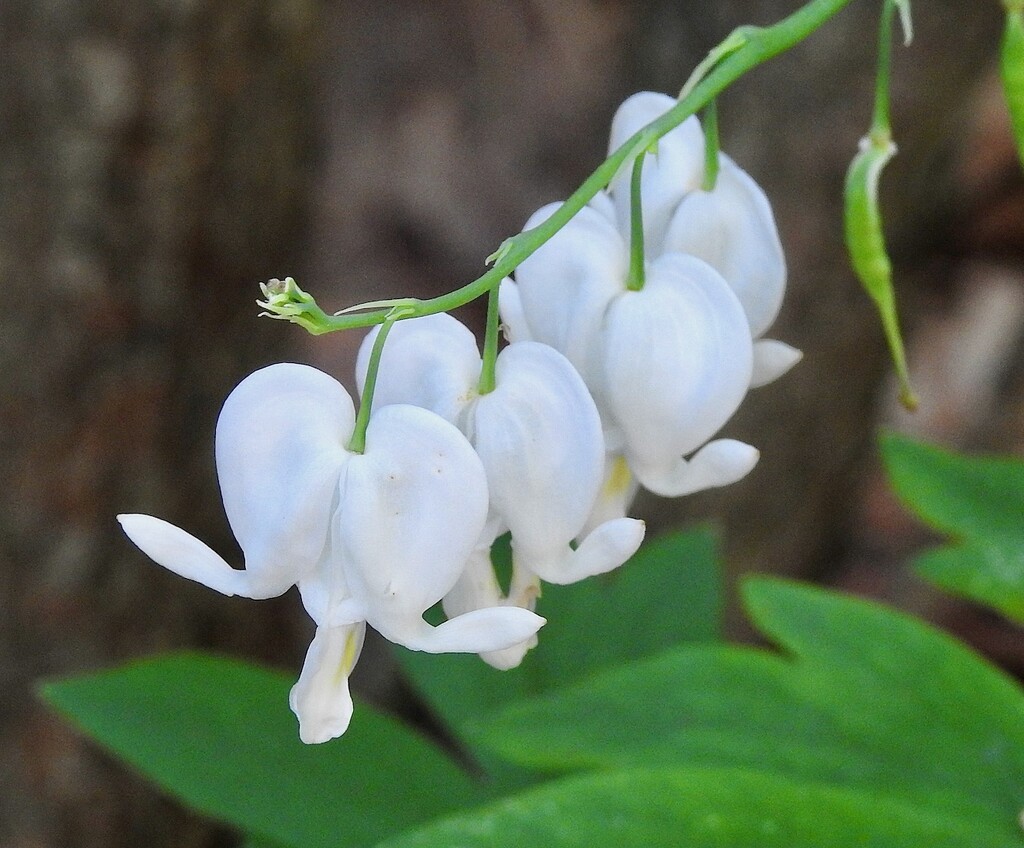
(490, 358)
(759, 45)
(357, 444)
(881, 129)
(635, 280)
(710, 146)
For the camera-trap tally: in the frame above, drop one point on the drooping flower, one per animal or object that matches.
(538, 435)
(678, 352)
(373, 538)
(668, 364)
(731, 227)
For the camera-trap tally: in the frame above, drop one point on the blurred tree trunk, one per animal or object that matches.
(153, 168)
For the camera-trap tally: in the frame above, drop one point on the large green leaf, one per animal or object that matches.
(669, 592)
(866, 699)
(701, 808)
(217, 734)
(977, 500)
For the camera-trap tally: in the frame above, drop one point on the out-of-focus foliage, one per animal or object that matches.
(979, 502)
(668, 593)
(635, 728)
(217, 734)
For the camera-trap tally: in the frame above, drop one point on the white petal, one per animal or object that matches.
(566, 285)
(478, 589)
(431, 362)
(476, 632)
(411, 511)
(513, 318)
(732, 229)
(678, 361)
(718, 463)
(280, 448)
(618, 490)
(603, 550)
(538, 435)
(676, 168)
(321, 699)
(602, 202)
(184, 554)
(772, 359)
(477, 586)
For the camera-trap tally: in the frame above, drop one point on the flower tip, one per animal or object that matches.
(318, 732)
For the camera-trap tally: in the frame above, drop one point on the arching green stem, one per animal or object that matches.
(881, 129)
(758, 46)
(710, 146)
(635, 280)
(357, 444)
(490, 358)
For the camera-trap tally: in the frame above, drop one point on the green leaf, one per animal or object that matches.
(217, 734)
(668, 593)
(868, 699)
(990, 574)
(700, 808)
(980, 502)
(968, 497)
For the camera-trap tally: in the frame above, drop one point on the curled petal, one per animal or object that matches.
(732, 229)
(678, 360)
(772, 359)
(187, 556)
(603, 550)
(432, 362)
(280, 449)
(411, 511)
(478, 589)
(566, 285)
(320, 698)
(718, 463)
(477, 632)
(676, 168)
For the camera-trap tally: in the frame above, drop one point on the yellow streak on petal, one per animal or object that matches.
(618, 479)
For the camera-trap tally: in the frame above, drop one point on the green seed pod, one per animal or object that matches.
(865, 242)
(1012, 68)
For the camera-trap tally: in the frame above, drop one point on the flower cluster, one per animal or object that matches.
(669, 363)
(605, 385)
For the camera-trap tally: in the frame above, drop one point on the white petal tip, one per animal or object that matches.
(509, 658)
(183, 553)
(718, 463)
(476, 632)
(604, 549)
(772, 359)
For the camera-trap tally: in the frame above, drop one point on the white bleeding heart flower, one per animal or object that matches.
(731, 227)
(665, 363)
(538, 435)
(372, 538)
(675, 168)
(668, 365)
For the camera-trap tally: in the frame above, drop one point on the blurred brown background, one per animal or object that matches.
(158, 159)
